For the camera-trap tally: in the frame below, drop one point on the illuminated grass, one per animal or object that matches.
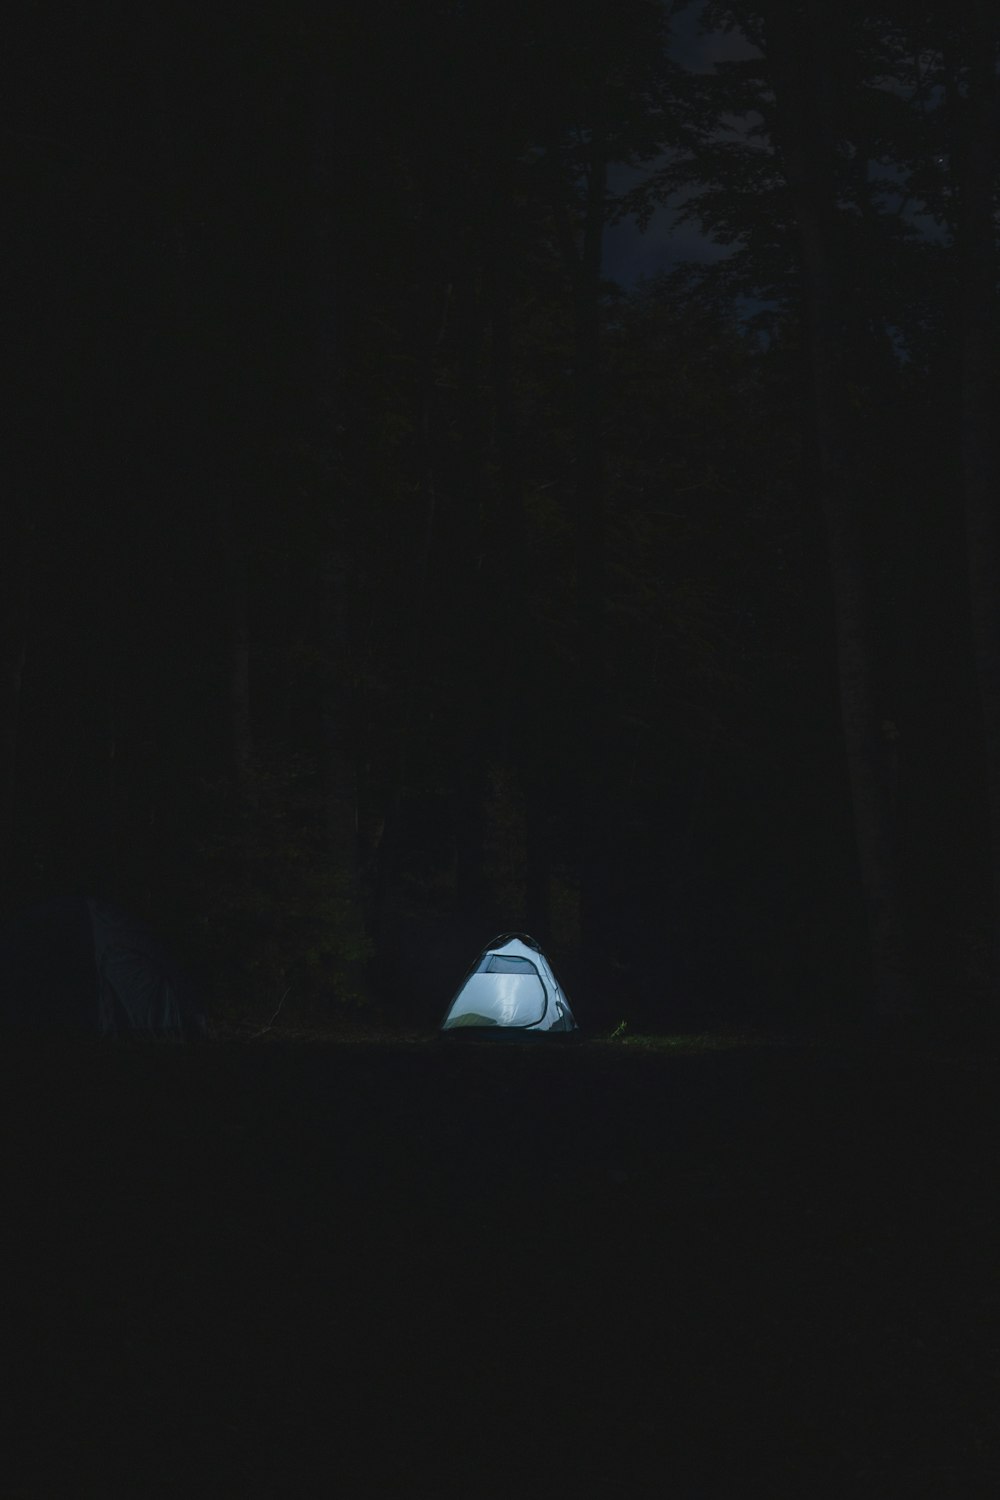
(723, 1040)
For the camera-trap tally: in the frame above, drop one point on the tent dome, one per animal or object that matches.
(510, 991)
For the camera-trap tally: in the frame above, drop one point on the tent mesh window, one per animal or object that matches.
(496, 963)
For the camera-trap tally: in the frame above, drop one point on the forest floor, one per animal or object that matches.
(397, 1268)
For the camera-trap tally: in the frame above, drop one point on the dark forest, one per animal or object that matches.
(381, 571)
(478, 468)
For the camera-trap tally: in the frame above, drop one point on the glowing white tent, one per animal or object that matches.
(510, 990)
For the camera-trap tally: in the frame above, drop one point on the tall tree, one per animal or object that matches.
(790, 188)
(978, 112)
(807, 135)
(14, 595)
(607, 104)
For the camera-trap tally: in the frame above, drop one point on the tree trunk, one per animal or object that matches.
(804, 111)
(235, 584)
(979, 417)
(387, 901)
(340, 765)
(473, 601)
(520, 669)
(336, 252)
(583, 263)
(596, 876)
(538, 860)
(14, 586)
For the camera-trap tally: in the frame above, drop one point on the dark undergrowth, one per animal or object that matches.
(372, 1265)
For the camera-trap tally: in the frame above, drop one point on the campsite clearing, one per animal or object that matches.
(390, 1268)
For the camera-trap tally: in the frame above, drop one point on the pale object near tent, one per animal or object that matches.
(509, 992)
(82, 967)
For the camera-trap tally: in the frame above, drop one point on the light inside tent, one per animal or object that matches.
(508, 999)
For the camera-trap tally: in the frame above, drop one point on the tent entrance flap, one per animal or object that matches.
(508, 999)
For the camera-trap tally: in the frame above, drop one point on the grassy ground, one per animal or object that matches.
(713, 1267)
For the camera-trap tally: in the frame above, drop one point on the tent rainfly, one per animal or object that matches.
(80, 967)
(509, 992)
